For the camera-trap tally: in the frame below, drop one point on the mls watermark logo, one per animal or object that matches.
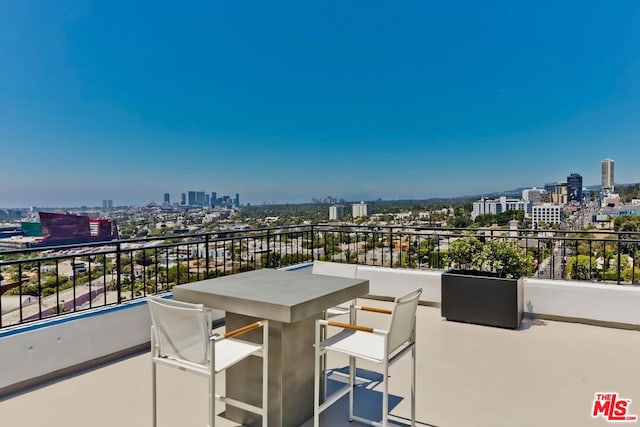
(612, 408)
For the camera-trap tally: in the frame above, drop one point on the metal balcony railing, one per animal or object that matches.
(43, 282)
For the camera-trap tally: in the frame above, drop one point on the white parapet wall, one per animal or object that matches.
(37, 351)
(606, 304)
(588, 302)
(395, 282)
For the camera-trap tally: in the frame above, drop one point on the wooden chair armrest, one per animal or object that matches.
(350, 326)
(373, 309)
(242, 330)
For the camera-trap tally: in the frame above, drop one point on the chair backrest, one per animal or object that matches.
(334, 269)
(403, 319)
(181, 329)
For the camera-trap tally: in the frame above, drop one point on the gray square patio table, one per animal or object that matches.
(291, 301)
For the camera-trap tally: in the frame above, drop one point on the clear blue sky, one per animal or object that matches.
(289, 100)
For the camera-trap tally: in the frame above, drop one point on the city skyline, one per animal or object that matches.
(286, 102)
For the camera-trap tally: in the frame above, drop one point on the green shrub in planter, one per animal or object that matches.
(499, 256)
(485, 286)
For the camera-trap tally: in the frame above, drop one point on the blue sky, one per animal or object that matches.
(289, 100)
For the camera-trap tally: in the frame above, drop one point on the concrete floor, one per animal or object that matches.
(545, 374)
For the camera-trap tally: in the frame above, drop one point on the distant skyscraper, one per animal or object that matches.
(183, 199)
(556, 192)
(107, 204)
(192, 198)
(200, 198)
(237, 200)
(360, 209)
(607, 174)
(574, 188)
(167, 199)
(533, 195)
(337, 212)
(207, 200)
(214, 199)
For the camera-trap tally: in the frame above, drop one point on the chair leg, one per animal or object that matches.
(212, 400)
(154, 409)
(154, 406)
(352, 376)
(323, 364)
(212, 385)
(413, 386)
(316, 378)
(265, 375)
(385, 395)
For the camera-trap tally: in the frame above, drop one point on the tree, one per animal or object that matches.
(582, 267)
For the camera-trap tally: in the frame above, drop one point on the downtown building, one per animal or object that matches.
(534, 195)
(574, 188)
(556, 193)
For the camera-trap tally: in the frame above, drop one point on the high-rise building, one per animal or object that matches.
(237, 200)
(607, 175)
(196, 198)
(533, 195)
(207, 201)
(183, 199)
(107, 204)
(337, 212)
(167, 199)
(360, 209)
(200, 198)
(556, 192)
(574, 188)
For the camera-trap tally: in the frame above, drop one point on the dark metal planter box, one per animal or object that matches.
(476, 297)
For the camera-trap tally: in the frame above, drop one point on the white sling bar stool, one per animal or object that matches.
(376, 345)
(181, 338)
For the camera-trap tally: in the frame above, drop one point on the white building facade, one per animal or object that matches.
(547, 213)
(360, 209)
(496, 206)
(337, 212)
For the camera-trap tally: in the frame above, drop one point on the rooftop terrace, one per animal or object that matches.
(544, 374)
(54, 345)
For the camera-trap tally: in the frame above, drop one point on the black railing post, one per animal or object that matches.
(132, 275)
(619, 260)
(57, 286)
(269, 260)
(313, 245)
(590, 264)
(75, 281)
(89, 284)
(206, 255)
(39, 292)
(20, 289)
(118, 275)
(391, 247)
